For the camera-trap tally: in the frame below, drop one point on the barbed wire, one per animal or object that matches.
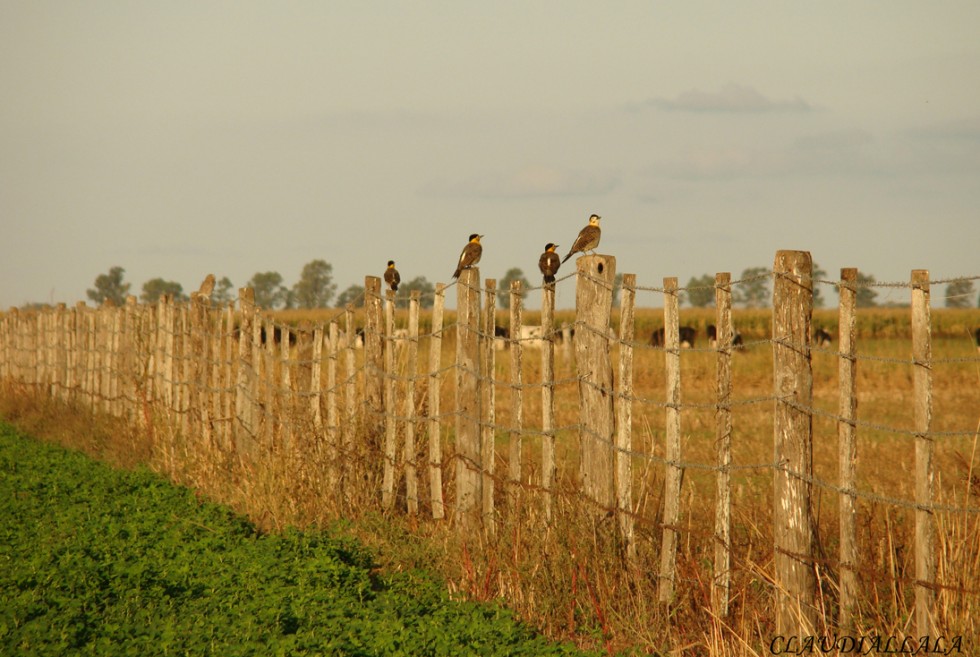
(274, 395)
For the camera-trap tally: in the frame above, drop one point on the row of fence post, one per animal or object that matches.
(184, 359)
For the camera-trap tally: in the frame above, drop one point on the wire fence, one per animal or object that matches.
(487, 422)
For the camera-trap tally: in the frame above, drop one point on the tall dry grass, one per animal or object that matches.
(571, 576)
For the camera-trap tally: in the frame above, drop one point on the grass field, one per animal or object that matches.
(570, 579)
(96, 561)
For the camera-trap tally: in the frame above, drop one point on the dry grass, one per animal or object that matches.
(571, 576)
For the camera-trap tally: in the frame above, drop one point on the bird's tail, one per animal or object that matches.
(567, 257)
(456, 273)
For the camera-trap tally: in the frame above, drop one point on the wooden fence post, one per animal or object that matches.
(847, 446)
(333, 424)
(593, 307)
(925, 558)
(390, 413)
(433, 392)
(349, 461)
(469, 464)
(199, 355)
(488, 412)
(547, 397)
(516, 395)
(724, 335)
(624, 417)
(316, 387)
(673, 476)
(411, 472)
(793, 444)
(373, 362)
(244, 427)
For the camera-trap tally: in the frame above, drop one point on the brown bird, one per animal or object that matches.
(392, 277)
(207, 286)
(470, 255)
(588, 238)
(549, 262)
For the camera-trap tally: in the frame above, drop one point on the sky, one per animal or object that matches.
(181, 138)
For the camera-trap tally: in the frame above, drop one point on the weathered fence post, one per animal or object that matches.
(488, 409)
(349, 461)
(674, 475)
(925, 558)
(244, 428)
(469, 464)
(624, 417)
(390, 414)
(724, 335)
(793, 444)
(199, 356)
(433, 392)
(373, 361)
(411, 471)
(593, 307)
(316, 386)
(516, 395)
(847, 445)
(547, 397)
(333, 424)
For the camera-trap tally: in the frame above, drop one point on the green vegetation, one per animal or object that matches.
(96, 561)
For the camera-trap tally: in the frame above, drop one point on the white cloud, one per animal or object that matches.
(732, 98)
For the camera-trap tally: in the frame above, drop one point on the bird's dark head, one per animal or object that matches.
(549, 247)
(391, 263)
(475, 237)
(594, 219)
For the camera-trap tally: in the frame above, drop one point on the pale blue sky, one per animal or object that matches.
(180, 138)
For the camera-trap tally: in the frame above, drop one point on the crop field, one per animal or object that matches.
(97, 561)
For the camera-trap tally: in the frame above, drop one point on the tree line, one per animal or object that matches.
(316, 289)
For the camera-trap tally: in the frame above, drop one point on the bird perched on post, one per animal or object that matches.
(207, 286)
(470, 255)
(588, 238)
(549, 262)
(392, 277)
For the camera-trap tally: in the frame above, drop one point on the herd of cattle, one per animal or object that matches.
(533, 336)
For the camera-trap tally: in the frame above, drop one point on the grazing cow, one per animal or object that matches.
(737, 341)
(276, 334)
(822, 338)
(501, 338)
(686, 334)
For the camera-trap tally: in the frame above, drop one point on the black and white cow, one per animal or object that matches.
(687, 335)
(737, 341)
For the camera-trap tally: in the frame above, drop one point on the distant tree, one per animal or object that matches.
(315, 287)
(155, 288)
(865, 297)
(426, 289)
(110, 287)
(350, 295)
(269, 290)
(503, 286)
(753, 291)
(818, 275)
(223, 291)
(701, 291)
(959, 293)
